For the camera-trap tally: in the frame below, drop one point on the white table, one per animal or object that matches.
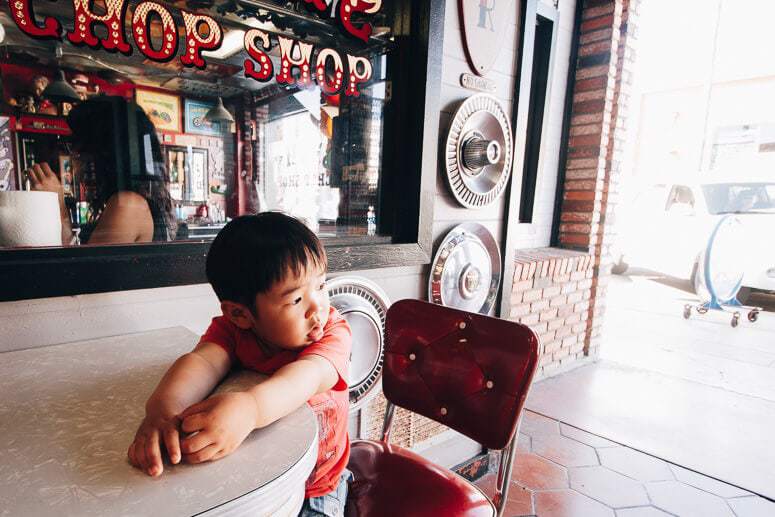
(69, 412)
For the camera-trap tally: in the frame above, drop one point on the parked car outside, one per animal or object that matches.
(666, 227)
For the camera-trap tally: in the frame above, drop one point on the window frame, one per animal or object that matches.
(405, 214)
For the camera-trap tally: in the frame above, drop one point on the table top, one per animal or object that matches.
(69, 412)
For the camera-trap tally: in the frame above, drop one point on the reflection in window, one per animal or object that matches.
(304, 149)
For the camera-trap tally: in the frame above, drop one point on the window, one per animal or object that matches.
(298, 109)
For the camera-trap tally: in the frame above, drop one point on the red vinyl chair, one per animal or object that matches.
(469, 372)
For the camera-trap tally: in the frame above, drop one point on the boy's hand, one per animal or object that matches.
(145, 451)
(221, 424)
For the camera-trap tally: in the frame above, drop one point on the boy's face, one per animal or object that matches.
(294, 311)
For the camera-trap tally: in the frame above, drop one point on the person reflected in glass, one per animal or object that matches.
(141, 210)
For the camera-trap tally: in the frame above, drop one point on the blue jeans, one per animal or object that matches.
(331, 504)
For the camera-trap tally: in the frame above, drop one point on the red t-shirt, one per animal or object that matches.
(330, 407)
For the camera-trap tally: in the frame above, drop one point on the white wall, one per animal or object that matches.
(36, 323)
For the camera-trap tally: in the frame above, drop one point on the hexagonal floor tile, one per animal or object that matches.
(752, 507)
(686, 501)
(524, 443)
(642, 511)
(608, 487)
(635, 464)
(564, 451)
(537, 473)
(568, 503)
(520, 500)
(533, 424)
(585, 437)
(711, 485)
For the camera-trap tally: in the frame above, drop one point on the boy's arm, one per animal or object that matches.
(190, 379)
(222, 422)
(291, 386)
(187, 381)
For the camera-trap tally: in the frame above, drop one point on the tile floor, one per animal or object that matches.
(561, 471)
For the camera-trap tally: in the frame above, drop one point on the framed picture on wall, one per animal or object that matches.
(162, 108)
(196, 123)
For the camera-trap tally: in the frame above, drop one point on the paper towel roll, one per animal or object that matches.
(29, 218)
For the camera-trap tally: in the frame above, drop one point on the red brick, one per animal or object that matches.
(532, 295)
(576, 217)
(539, 305)
(551, 292)
(601, 34)
(522, 285)
(558, 300)
(552, 346)
(517, 270)
(592, 12)
(578, 328)
(581, 307)
(569, 287)
(519, 310)
(590, 95)
(549, 313)
(564, 311)
(590, 173)
(593, 106)
(563, 332)
(530, 319)
(580, 195)
(570, 205)
(547, 336)
(575, 297)
(578, 275)
(574, 228)
(559, 354)
(540, 327)
(572, 318)
(543, 282)
(555, 324)
(568, 342)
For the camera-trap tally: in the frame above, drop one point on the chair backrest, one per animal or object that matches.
(467, 371)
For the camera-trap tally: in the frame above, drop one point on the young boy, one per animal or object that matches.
(268, 271)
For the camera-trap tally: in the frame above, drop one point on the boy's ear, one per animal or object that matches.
(238, 314)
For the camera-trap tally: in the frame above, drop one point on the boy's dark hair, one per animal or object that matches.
(253, 252)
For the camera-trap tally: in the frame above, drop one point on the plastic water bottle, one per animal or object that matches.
(371, 221)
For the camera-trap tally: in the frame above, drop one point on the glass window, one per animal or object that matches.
(169, 135)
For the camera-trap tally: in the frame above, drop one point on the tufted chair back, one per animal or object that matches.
(467, 371)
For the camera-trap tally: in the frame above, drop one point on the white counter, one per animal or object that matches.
(69, 412)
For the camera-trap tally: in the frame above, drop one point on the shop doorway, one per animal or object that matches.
(700, 158)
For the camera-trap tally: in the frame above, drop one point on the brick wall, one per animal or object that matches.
(551, 294)
(595, 146)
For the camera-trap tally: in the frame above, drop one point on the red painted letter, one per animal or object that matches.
(195, 43)
(24, 16)
(320, 5)
(287, 61)
(333, 85)
(266, 69)
(113, 19)
(346, 10)
(141, 29)
(357, 77)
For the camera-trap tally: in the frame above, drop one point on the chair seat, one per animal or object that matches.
(392, 481)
